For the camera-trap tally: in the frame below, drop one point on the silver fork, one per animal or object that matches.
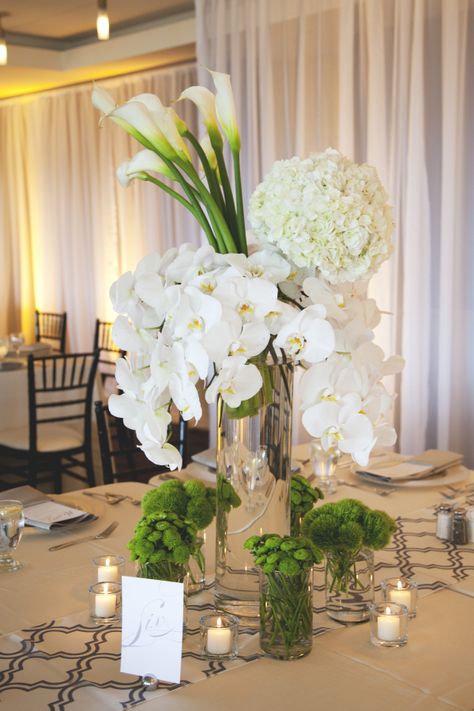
(104, 534)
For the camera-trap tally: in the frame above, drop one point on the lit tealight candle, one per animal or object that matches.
(107, 573)
(219, 639)
(401, 595)
(105, 603)
(388, 626)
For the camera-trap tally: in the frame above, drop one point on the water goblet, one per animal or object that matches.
(16, 341)
(12, 522)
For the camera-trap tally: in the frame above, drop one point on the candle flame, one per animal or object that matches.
(388, 611)
(400, 585)
(107, 561)
(219, 622)
(106, 589)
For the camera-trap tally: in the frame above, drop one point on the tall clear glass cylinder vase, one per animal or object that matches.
(253, 486)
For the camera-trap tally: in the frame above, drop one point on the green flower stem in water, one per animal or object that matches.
(164, 570)
(342, 571)
(286, 616)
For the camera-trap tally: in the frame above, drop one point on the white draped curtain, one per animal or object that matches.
(386, 82)
(68, 229)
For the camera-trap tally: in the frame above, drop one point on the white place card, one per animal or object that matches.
(152, 628)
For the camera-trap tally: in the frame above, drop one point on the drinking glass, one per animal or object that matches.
(16, 341)
(12, 521)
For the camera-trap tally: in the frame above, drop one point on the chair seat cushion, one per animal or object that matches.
(52, 437)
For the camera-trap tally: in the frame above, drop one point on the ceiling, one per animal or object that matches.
(53, 43)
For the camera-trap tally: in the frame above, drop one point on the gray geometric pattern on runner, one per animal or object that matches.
(63, 661)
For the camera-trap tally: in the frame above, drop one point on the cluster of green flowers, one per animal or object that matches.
(347, 526)
(163, 537)
(303, 498)
(190, 500)
(289, 555)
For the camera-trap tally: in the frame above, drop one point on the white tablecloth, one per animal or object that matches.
(433, 672)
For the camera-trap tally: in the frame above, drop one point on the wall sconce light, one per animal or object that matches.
(103, 28)
(3, 42)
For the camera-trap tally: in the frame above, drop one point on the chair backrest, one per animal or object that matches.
(120, 456)
(60, 390)
(50, 328)
(109, 352)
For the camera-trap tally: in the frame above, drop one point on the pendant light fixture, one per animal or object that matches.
(3, 43)
(102, 20)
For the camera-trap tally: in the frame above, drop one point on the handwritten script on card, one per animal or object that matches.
(152, 628)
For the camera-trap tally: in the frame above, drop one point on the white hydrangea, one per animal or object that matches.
(325, 212)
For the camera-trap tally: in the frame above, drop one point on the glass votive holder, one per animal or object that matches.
(388, 624)
(105, 602)
(109, 568)
(324, 463)
(219, 636)
(403, 591)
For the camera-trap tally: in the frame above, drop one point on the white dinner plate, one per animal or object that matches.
(454, 475)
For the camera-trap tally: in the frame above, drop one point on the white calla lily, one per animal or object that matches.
(102, 100)
(209, 151)
(136, 119)
(225, 109)
(140, 165)
(206, 103)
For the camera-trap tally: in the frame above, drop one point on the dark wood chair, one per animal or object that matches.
(109, 352)
(121, 459)
(57, 439)
(50, 328)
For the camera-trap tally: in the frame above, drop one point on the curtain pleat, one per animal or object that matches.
(68, 228)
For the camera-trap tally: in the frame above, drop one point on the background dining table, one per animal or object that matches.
(53, 656)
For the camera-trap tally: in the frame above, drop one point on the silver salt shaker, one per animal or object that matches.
(444, 521)
(459, 531)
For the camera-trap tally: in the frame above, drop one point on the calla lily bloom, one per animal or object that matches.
(140, 165)
(209, 151)
(206, 103)
(225, 109)
(102, 100)
(135, 118)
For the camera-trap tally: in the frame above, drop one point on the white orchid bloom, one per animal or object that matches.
(164, 456)
(186, 397)
(127, 380)
(264, 264)
(191, 262)
(250, 299)
(235, 382)
(196, 314)
(125, 335)
(206, 103)
(309, 336)
(140, 165)
(321, 292)
(280, 316)
(252, 341)
(128, 408)
(125, 300)
(341, 424)
(225, 109)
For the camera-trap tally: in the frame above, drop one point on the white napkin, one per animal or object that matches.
(421, 466)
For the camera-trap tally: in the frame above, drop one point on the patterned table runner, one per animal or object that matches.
(73, 664)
